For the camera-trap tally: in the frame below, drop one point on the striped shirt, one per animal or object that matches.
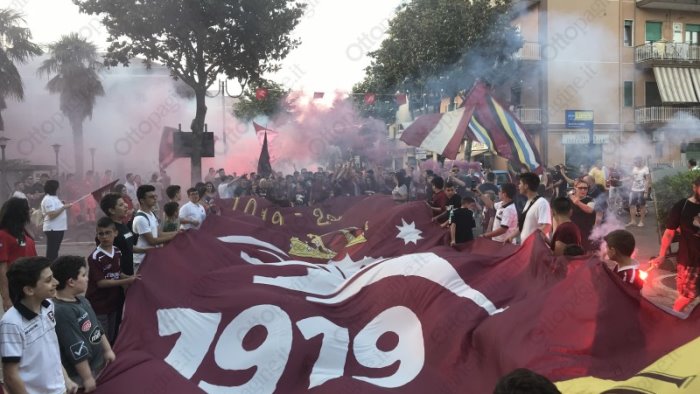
(630, 274)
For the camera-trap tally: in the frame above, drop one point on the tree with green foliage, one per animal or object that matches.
(200, 40)
(669, 190)
(73, 63)
(15, 47)
(441, 47)
(251, 105)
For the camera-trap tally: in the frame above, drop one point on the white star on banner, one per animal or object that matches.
(409, 232)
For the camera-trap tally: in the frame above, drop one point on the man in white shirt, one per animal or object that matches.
(145, 225)
(193, 213)
(536, 214)
(227, 187)
(130, 185)
(505, 222)
(638, 192)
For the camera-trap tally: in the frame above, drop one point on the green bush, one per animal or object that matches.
(671, 189)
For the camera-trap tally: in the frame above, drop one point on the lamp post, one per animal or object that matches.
(56, 148)
(3, 191)
(92, 159)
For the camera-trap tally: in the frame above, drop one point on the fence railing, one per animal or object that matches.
(669, 51)
(664, 114)
(529, 51)
(529, 115)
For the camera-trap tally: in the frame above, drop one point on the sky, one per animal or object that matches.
(336, 36)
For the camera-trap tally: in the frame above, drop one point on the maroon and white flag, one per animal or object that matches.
(360, 295)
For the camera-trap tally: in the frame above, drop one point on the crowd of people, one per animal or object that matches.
(87, 292)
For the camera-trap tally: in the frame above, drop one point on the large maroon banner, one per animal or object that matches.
(359, 295)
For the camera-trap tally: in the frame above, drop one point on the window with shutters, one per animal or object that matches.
(653, 32)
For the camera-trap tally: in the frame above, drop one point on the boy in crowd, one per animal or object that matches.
(145, 225)
(85, 350)
(536, 214)
(171, 221)
(453, 202)
(192, 214)
(620, 245)
(173, 193)
(106, 277)
(462, 223)
(31, 360)
(505, 223)
(566, 232)
(438, 202)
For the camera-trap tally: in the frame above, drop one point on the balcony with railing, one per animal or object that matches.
(528, 115)
(680, 5)
(652, 115)
(529, 51)
(667, 53)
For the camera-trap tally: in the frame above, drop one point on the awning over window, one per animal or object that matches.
(677, 84)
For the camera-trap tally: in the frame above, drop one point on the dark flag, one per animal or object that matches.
(166, 152)
(264, 166)
(99, 193)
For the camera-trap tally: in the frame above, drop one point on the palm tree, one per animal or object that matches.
(73, 60)
(15, 46)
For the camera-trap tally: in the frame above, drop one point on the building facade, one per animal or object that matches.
(633, 65)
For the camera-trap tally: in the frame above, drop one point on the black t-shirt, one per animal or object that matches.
(585, 223)
(556, 177)
(455, 202)
(463, 219)
(686, 215)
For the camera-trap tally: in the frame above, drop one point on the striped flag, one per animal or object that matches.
(482, 119)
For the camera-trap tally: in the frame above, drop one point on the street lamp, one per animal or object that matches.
(3, 145)
(92, 157)
(56, 148)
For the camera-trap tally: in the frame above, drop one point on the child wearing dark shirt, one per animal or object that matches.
(106, 277)
(462, 223)
(171, 221)
(620, 246)
(85, 350)
(566, 232)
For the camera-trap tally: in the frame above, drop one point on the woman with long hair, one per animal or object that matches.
(55, 218)
(15, 240)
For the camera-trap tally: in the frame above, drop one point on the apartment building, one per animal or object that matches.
(629, 67)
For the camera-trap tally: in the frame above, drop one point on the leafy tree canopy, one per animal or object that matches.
(15, 46)
(249, 105)
(198, 40)
(438, 46)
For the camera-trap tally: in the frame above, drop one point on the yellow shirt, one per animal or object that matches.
(598, 175)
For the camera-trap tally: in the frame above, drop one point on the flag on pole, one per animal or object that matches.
(261, 93)
(482, 118)
(264, 166)
(99, 193)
